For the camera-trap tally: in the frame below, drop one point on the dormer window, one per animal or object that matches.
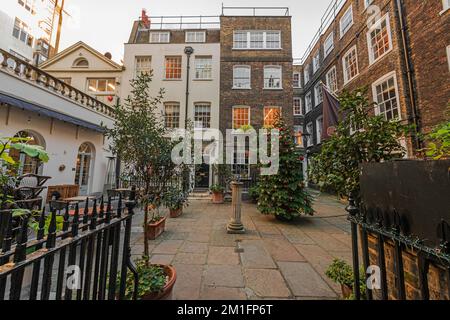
(81, 63)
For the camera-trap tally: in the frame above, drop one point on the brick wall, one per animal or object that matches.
(393, 61)
(429, 36)
(257, 98)
(437, 278)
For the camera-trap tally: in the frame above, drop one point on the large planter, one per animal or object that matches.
(167, 292)
(176, 213)
(217, 197)
(154, 230)
(347, 291)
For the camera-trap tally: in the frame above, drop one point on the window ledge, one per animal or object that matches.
(444, 11)
(263, 49)
(172, 80)
(202, 79)
(236, 88)
(273, 89)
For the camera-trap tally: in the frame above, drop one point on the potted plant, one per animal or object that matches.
(217, 194)
(175, 200)
(156, 282)
(341, 273)
(156, 224)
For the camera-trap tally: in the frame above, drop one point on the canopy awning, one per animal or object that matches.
(29, 106)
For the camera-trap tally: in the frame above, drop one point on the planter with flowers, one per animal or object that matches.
(175, 200)
(217, 194)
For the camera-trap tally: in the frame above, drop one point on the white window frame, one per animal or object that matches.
(327, 77)
(101, 93)
(280, 68)
(165, 68)
(328, 45)
(307, 75)
(136, 58)
(240, 107)
(318, 133)
(367, 3)
(299, 80)
(196, 39)
(316, 61)
(309, 134)
(308, 102)
(205, 70)
(298, 133)
(248, 39)
(300, 113)
(385, 78)
(445, 6)
(448, 57)
(159, 33)
(172, 104)
(249, 68)
(344, 16)
(346, 76)
(372, 59)
(206, 106)
(317, 98)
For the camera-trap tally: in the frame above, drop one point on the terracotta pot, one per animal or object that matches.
(217, 197)
(154, 230)
(176, 213)
(347, 291)
(167, 292)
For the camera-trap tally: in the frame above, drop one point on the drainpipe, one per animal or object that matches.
(409, 72)
(188, 51)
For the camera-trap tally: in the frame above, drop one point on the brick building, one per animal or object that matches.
(361, 44)
(256, 74)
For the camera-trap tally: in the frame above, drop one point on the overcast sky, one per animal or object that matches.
(106, 24)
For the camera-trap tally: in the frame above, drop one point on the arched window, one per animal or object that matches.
(26, 163)
(83, 173)
(81, 63)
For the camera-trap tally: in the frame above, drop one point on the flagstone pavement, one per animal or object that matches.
(273, 260)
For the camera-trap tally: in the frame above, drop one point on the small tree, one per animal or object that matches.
(140, 138)
(283, 195)
(360, 137)
(8, 166)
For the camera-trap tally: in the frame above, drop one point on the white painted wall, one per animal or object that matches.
(200, 91)
(62, 140)
(61, 143)
(98, 69)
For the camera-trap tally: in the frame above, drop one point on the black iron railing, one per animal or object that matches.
(88, 259)
(365, 222)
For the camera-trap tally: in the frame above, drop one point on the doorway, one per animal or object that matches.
(83, 169)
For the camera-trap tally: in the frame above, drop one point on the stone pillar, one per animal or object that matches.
(235, 226)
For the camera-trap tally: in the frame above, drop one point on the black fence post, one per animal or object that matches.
(353, 214)
(20, 255)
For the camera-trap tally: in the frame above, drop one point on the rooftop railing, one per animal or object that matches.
(19, 68)
(327, 19)
(209, 22)
(255, 11)
(182, 22)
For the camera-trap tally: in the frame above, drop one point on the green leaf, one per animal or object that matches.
(7, 158)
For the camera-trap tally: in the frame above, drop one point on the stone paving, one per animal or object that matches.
(273, 260)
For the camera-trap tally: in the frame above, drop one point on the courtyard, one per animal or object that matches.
(273, 260)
